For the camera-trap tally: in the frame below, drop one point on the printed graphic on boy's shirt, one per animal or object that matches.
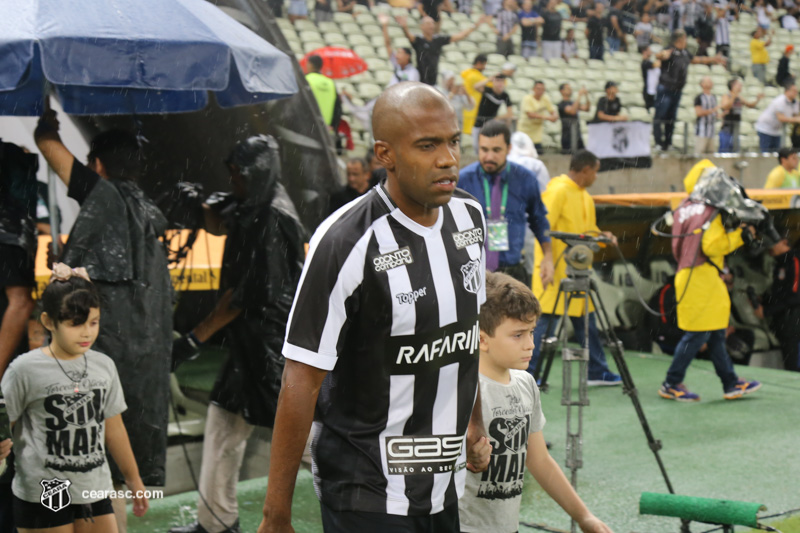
(508, 435)
(74, 434)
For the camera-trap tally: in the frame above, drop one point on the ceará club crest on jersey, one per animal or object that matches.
(472, 276)
(55, 493)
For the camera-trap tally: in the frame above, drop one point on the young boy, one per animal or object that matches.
(513, 417)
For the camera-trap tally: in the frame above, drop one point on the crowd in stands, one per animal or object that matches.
(667, 37)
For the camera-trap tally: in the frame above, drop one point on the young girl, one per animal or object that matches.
(65, 402)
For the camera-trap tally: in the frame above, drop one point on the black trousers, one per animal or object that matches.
(445, 521)
(786, 326)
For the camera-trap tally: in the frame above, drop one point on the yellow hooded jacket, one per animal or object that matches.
(570, 208)
(705, 304)
(471, 76)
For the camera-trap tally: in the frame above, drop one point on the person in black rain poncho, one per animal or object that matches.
(116, 238)
(17, 254)
(261, 267)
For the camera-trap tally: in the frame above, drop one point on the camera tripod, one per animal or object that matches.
(579, 285)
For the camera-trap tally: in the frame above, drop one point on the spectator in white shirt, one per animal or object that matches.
(523, 152)
(782, 110)
(457, 95)
(569, 48)
(643, 32)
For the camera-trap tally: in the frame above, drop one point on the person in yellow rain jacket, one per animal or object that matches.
(570, 209)
(700, 244)
(471, 76)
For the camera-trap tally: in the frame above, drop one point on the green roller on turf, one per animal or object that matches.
(723, 512)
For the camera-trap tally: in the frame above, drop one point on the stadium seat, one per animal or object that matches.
(342, 17)
(364, 51)
(336, 39)
(356, 39)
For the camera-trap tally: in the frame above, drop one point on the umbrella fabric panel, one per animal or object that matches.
(15, 43)
(125, 56)
(265, 72)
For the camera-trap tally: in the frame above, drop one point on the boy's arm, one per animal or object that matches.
(479, 450)
(120, 448)
(549, 475)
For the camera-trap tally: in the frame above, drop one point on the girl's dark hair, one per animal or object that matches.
(70, 300)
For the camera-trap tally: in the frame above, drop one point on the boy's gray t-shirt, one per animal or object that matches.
(60, 434)
(511, 412)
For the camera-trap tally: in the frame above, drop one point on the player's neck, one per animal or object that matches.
(421, 214)
(488, 368)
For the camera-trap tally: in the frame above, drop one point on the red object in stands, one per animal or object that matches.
(337, 62)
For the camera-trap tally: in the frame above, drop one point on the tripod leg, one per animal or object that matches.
(617, 351)
(549, 343)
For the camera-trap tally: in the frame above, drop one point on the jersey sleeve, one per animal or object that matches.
(115, 399)
(14, 393)
(334, 269)
(698, 101)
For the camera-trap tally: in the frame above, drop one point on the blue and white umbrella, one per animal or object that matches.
(133, 57)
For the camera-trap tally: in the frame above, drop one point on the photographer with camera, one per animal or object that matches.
(570, 209)
(261, 265)
(700, 243)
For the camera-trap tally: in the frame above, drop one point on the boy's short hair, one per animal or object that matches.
(507, 298)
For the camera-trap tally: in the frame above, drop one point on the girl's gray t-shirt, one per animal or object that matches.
(59, 433)
(511, 412)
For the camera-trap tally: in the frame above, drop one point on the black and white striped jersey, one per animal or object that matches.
(390, 308)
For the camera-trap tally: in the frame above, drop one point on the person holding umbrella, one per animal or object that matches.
(116, 239)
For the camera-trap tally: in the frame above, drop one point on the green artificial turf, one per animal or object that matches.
(739, 450)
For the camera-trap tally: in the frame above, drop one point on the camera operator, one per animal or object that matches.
(261, 266)
(700, 243)
(570, 209)
(781, 304)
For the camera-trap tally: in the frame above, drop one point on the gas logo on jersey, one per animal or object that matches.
(429, 454)
(392, 260)
(468, 237)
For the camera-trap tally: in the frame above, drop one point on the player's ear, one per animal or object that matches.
(385, 154)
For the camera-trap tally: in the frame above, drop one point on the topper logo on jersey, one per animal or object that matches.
(392, 260)
(411, 297)
(468, 237)
(430, 454)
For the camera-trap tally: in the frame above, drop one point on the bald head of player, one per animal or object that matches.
(417, 140)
